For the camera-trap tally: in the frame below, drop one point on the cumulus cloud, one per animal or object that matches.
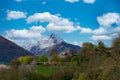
(109, 25)
(44, 2)
(84, 30)
(21, 33)
(85, 1)
(108, 19)
(33, 32)
(102, 33)
(89, 1)
(25, 35)
(100, 30)
(101, 37)
(55, 22)
(38, 29)
(72, 1)
(77, 43)
(47, 17)
(58, 28)
(15, 15)
(18, 0)
(117, 29)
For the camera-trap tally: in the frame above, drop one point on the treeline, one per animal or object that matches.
(92, 62)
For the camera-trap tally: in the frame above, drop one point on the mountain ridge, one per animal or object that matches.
(9, 50)
(45, 46)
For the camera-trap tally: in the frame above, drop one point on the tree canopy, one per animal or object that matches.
(43, 58)
(74, 59)
(26, 59)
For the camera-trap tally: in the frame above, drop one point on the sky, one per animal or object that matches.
(75, 21)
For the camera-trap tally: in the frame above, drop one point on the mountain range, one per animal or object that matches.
(45, 46)
(10, 51)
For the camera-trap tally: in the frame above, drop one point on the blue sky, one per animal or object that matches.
(76, 21)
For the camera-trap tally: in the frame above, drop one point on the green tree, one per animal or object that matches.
(43, 58)
(87, 51)
(74, 59)
(26, 59)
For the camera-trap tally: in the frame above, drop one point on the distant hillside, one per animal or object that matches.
(9, 50)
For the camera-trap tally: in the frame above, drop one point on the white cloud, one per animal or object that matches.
(22, 33)
(108, 19)
(62, 28)
(42, 17)
(103, 33)
(25, 35)
(114, 35)
(44, 2)
(89, 1)
(100, 30)
(15, 15)
(117, 29)
(55, 22)
(33, 32)
(39, 29)
(101, 37)
(81, 43)
(47, 17)
(72, 1)
(84, 30)
(77, 43)
(18, 0)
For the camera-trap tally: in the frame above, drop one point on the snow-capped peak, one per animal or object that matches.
(55, 39)
(46, 42)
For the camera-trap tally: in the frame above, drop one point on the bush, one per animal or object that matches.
(26, 59)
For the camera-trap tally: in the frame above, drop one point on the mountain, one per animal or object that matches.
(45, 46)
(9, 50)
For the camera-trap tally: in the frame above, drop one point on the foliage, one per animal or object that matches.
(26, 59)
(43, 58)
(75, 59)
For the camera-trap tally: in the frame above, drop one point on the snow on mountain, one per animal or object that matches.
(50, 41)
(46, 44)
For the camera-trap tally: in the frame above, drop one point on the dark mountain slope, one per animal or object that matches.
(10, 51)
